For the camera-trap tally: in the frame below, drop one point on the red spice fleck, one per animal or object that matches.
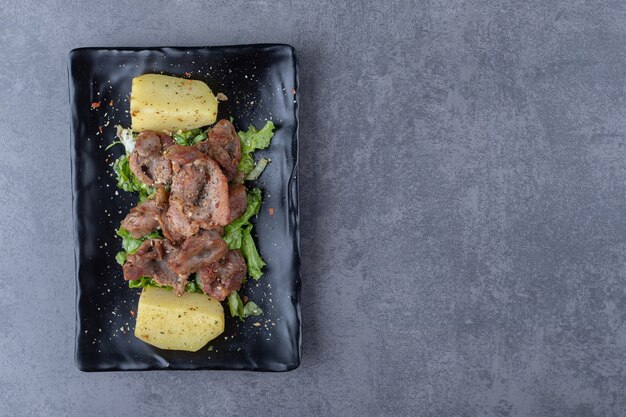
(95, 104)
(100, 129)
(293, 91)
(111, 103)
(187, 74)
(271, 211)
(132, 313)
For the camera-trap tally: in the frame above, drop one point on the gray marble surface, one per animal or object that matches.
(463, 200)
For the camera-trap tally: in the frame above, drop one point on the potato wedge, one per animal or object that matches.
(160, 102)
(178, 323)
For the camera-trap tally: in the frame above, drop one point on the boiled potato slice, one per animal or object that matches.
(178, 323)
(160, 102)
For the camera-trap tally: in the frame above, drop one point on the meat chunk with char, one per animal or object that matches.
(224, 147)
(237, 200)
(153, 259)
(142, 219)
(198, 199)
(192, 215)
(145, 218)
(176, 225)
(182, 155)
(147, 161)
(198, 252)
(222, 278)
(212, 208)
(189, 181)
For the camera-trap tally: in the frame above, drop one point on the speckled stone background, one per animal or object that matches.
(463, 201)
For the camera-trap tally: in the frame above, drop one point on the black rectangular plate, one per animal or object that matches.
(261, 83)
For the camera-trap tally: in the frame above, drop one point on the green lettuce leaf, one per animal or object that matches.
(254, 262)
(127, 181)
(233, 239)
(125, 137)
(235, 304)
(253, 139)
(143, 282)
(129, 243)
(193, 285)
(254, 204)
(117, 142)
(258, 169)
(189, 137)
(238, 235)
(238, 309)
(121, 257)
(251, 309)
(246, 165)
